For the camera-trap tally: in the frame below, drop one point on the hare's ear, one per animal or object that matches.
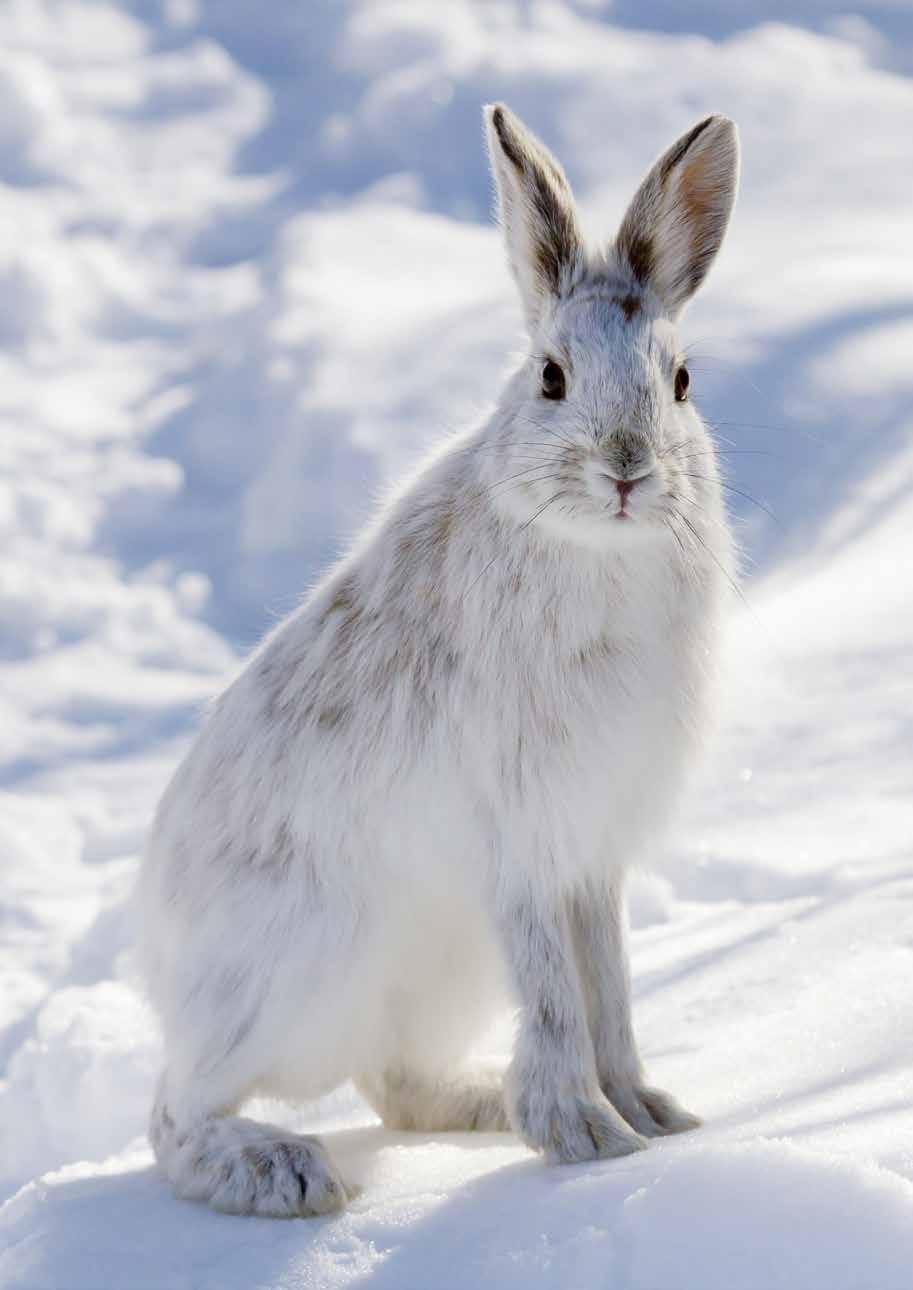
(676, 222)
(536, 209)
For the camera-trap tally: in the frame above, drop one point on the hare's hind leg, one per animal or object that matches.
(235, 1024)
(422, 1077)
(425, 1101)
(240, 1166)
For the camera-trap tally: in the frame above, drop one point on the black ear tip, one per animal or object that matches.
(497, 114)
(722, 126)
(717, 119)
(695, 133)
(503, 125)
(718, 130)
(726, 138)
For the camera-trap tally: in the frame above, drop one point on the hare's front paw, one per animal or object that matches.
(572, 1129)
(650, 1111)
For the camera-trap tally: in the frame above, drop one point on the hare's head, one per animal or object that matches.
(600, 417)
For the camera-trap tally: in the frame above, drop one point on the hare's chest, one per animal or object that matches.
(624, 689)
(613, 664)
(595, 725)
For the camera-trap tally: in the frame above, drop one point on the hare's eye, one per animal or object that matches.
(682, 381)
(552, 380)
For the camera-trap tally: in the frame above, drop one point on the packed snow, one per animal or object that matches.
(247, 274)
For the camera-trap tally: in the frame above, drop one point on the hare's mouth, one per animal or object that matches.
(623, 492)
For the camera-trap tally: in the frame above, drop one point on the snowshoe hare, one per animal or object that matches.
(420, 796)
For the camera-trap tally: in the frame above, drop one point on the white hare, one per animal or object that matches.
(420, 796)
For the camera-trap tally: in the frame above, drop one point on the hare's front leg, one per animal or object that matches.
(597, 917)
(553, 1096)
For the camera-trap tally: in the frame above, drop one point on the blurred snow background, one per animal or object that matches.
(246, 273)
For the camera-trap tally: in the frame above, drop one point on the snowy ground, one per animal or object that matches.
(246, 273)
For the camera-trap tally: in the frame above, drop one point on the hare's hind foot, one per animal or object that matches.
(238, 1166)
(470, 1102)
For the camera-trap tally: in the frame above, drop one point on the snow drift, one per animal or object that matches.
(194, 419)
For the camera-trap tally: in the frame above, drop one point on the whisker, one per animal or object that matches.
(731, 452)
(700, 341)
(540, 425)
(729, 362)
(688, 438)
(760, 425)
(721, 525)
(681, 546)
(723, 570)
(732, 489)
(523, 527)
(539, 479)
(518, 459)
(508, 449)
(483, 570)
(560, 493)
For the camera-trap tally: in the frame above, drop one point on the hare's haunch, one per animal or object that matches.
(419, 797)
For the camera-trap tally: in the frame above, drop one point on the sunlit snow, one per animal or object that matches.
(246, 274)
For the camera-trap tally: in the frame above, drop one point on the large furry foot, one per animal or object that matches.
(241, 1167)
(573, 1129)
(650, 1111)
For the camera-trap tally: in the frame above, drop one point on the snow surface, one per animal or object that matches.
(246, 275)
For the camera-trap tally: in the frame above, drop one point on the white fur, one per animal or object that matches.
(418, 798)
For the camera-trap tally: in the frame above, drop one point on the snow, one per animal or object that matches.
(247, 275)
(766, 1213)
